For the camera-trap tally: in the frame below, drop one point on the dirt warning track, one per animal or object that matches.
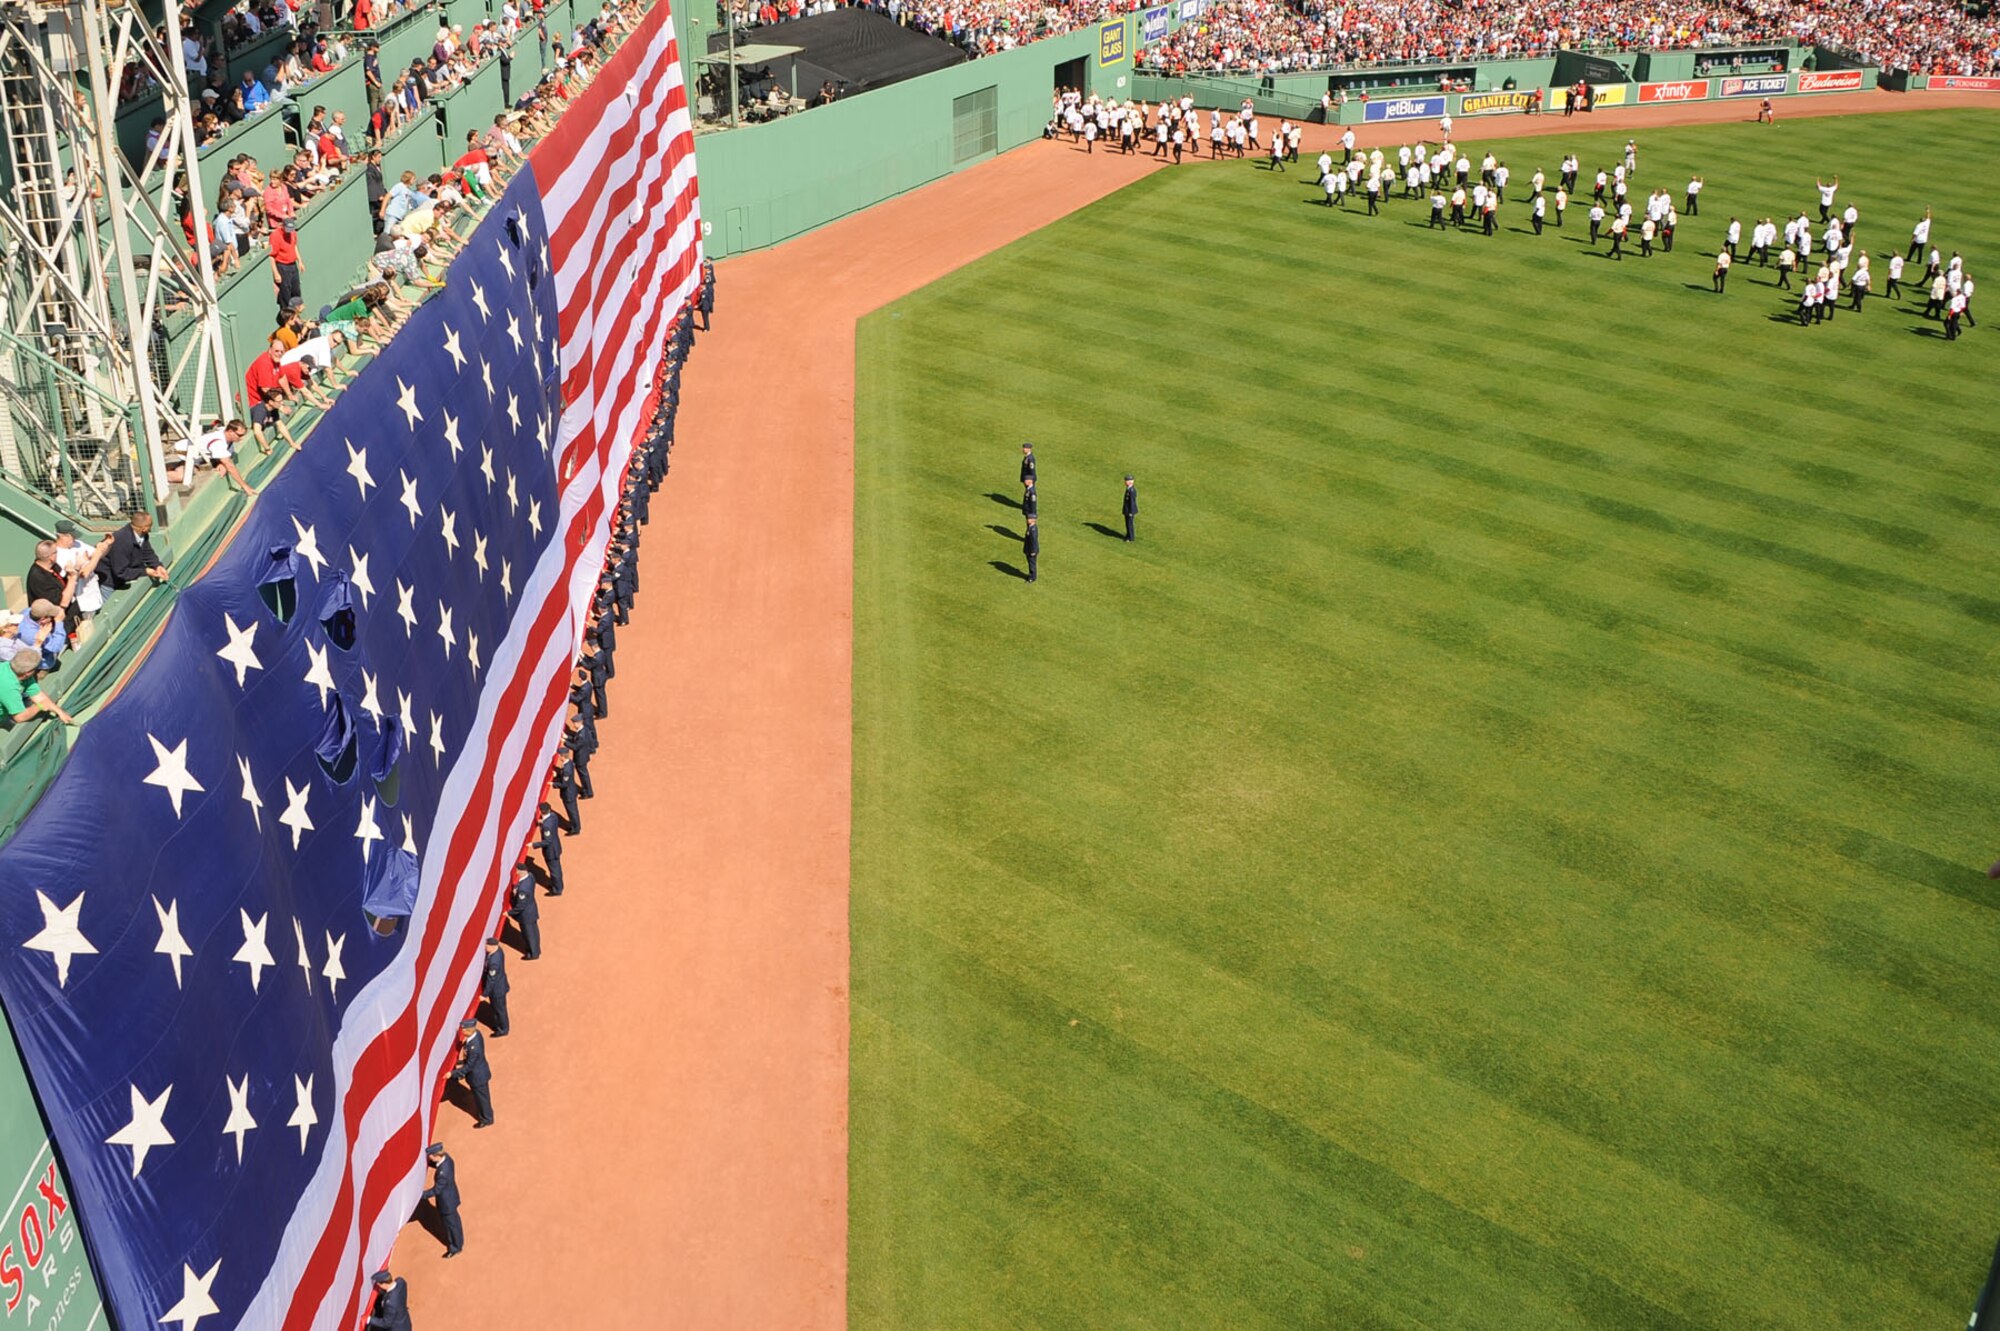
(671, 1138)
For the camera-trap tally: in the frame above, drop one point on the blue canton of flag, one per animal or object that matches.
(242, 909)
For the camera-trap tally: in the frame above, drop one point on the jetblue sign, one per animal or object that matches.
(1404, 108)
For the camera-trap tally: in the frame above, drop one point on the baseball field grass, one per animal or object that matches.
(1505, 847)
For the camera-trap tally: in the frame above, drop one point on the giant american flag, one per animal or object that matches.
(240, 1070)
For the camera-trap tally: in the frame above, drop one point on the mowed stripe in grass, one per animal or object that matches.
(1503, 848)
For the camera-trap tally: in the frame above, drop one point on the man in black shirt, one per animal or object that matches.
(45, 581)
(131, 556)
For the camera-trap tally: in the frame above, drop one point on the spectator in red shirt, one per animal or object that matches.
(271, 388)
(285, 264)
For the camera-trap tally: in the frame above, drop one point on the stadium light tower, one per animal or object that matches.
(111, 343)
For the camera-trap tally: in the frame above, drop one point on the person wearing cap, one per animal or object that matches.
(525, 911)
(548, 843)
(493, 987)
(1131, 508)
(392, 1303)
(443, 1194)
(1031, 547)
(78, 563)
(473, 1072)
(39, 636)
(1027, 463)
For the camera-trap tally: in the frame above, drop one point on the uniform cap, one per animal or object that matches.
(493, 942)
(435, 1148)
(381, 1277)
(468, 1025)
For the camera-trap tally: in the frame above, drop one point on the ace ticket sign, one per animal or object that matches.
(45, 1280)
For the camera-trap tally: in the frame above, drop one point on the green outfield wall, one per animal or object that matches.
(45, 1279)
(761, 184)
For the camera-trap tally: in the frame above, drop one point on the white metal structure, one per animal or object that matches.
(90, 399)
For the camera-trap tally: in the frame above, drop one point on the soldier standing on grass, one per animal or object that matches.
(1031, 546)
(1131, 508)
(1027, 463)
(1030, 506)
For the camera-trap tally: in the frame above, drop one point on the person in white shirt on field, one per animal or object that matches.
(1500, 178)
(1787, 261)
(1826, 192)
(1858, 284)
(1347, 144)
(1894, 289)
(1920, 235)
(1693, 208)
(1562, 205)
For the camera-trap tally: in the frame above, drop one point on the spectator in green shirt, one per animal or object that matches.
(21, 696)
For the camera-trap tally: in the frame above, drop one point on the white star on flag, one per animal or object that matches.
(250, 795)
(513, 411)
(507, 578)
(408, 717)
(445, 635)
(506, 260)
(196, 1302)
(451, 347)
(147, 1129)
(405, 609)
(240, 1120)
(295, 815)
(472, 651)
(535, 516)
(334, 971)
(514, 332)
(371, 701)
(450, 525)
(172, 774)
(479, 299)
(171, 944)
(307, 547)
(486, 377)
(406, 402)
(303, 1118)
(479, 553)
(451, 435)
(255, 952)
(409, 834)
(486, 466)
(513, 496)
(62, 935)
(240, 651)
(359, 577)
(366, 831)
(437, 739)
(357, 467)
(304, 955)
(319, 674)
(409, 499)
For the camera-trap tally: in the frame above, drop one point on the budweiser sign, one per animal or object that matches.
(1690, 91)
(1832, 80)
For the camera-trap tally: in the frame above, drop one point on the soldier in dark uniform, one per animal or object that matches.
(1031, 546)
(493, 987)
(566, 791)
(526, 912)
(548, 841)
(1027, 463)
(443, 1193)
(1030, 505)
(474, 1072)
(707, 302)
(392, 1304)
(1131, 508)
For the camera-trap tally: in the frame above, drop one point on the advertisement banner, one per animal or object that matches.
(1153, 26)
(45, 1280)
(1493, 103)
(1690, 91)
(1757, 85)
(1831, 80)
(1111, 42)
(1404, 108)
(1960, 83)
(1601, 94)
(1191, 9)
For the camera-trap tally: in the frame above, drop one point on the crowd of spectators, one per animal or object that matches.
(1267, 36)
(1270, 36)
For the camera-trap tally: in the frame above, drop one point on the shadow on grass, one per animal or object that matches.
(999, 530)
(1003, 500)
(1007, 568)
(1103, 530)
